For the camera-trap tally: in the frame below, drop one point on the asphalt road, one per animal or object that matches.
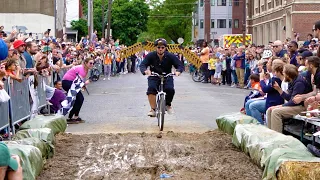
(120, 106)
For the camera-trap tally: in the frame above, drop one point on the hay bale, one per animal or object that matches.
(299, 170)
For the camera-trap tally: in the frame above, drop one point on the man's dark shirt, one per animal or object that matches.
(164, 66)
(316, 79)
(298, 86)
(293, 59)
(282, 53)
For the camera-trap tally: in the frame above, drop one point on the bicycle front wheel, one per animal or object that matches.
(162, 111)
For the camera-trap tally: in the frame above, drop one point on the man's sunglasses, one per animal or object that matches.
(160, 47)
(91, 63)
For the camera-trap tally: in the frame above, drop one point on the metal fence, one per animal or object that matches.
(4, 111)
(19, 101)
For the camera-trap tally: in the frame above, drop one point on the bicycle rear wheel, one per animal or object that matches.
(197, 76)
(162, 111)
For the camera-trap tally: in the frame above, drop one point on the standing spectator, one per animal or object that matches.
(240, 66)
(19, 45)
(278, 49)
(204, 57)
(107, 64)
(293, 46)
(308, 41)
(229, 70)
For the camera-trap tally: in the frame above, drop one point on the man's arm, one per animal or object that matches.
(297, 89)
(144, 64)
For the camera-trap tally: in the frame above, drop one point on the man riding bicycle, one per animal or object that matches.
(161, 62)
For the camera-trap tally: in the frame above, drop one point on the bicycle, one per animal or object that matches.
(197, 75)
(161, 99)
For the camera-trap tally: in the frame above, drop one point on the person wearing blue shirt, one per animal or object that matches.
(293, 46)
(31, 49)
(308, 41)
(278, 49)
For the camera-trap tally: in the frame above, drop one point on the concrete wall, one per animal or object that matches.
(27, 6)
(35, 23)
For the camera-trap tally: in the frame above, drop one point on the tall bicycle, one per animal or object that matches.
(161, 99)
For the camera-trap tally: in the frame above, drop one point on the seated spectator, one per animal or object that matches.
(13, 69)
(301, 58)
(313, 79)
(10, 167)
(297, 85)
(256, 89)
(55, 96)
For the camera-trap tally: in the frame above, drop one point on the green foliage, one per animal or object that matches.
(129, 19)
(81, 26)
(171, 19)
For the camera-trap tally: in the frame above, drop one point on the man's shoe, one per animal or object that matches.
(315, 151)
(152, 113)
(169, 110)
(72, 121)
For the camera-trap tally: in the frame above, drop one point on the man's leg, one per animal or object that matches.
(169, 89)
(256, 108)
(241, 77)
(281, 113)
(268, 119)
(246, 106)
(153, 84)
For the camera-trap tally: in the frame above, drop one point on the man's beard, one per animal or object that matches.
(160, 54)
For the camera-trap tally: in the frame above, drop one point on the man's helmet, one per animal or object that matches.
(160, 42)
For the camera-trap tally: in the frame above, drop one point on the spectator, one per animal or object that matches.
(240, 66)
(278, 49)
(255, 92)
(297, 85)
(13, 69)
(212, 68)
(204, 57)
(308, 41)
(10, 167)
(293, 46)
(55, 96)
(19, 45)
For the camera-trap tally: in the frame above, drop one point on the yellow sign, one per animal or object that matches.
(236, 40)
(173, 48)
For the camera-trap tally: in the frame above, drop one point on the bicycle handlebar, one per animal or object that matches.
(158, 75)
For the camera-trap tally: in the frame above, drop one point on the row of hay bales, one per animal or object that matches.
(281, 157)
(35, 141)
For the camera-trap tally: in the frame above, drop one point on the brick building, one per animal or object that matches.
(214, 18)
(269, 20)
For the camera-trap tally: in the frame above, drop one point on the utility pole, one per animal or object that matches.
(244, 23)
(103, 20)
(89, 18)
(109, 20)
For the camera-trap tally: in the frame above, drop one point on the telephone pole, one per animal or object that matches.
(103, 20)
(109, 20)
(90, 18)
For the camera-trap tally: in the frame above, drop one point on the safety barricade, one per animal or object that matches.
(19, 101)
(4, 111)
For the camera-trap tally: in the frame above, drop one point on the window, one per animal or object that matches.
(212, 2)
(277, 3)
(236, 2)
(269, 5)
(201, 3)
(212, 23)
(222, 23)
(230, 23)
(236, 23)
(201, 23)
(230, 2)
(222, 2)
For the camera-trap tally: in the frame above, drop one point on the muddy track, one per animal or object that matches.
(144, 156)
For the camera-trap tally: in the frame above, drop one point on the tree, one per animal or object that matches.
(171, 19)
(81, 26)
(129, 19)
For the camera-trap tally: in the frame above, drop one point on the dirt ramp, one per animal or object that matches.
(144, 156)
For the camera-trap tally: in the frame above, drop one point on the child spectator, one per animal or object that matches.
(212, 68)
(256, 89)
(217, 74)
(13, 70)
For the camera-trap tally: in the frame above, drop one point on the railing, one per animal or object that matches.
(4, 113)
